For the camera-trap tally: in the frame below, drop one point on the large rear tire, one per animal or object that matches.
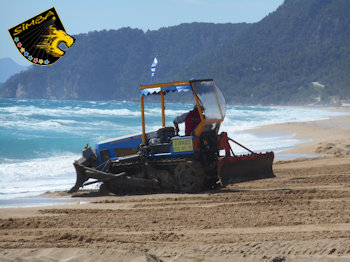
(189, 177)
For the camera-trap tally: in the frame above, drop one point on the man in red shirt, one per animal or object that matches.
(191, 119)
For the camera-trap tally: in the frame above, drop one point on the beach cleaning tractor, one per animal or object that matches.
(164, 161)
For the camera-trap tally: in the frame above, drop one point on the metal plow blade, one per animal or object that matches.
(234, 169)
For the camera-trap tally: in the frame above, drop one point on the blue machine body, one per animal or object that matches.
(117, 147)
(112, 149)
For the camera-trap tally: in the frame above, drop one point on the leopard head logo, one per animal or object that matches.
(53, 39)
(41, 39)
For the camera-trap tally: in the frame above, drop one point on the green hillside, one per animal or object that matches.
(112, 64)
(298, 54)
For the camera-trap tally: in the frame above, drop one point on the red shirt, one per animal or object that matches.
(191, 121)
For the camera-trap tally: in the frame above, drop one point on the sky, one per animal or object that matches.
(83, 16)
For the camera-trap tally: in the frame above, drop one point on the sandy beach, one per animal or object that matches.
(303, 214)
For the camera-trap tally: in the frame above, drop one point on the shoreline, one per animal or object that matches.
(316, 139)
(324, 138)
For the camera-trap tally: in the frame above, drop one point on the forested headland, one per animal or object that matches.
(297, 55)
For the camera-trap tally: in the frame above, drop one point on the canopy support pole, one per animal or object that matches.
(163, 108)
(143, 120)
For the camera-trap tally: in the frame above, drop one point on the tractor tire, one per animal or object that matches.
(189, 177)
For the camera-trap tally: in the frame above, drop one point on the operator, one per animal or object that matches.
(191, 119)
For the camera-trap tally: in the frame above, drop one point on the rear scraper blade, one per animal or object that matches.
(234, 169)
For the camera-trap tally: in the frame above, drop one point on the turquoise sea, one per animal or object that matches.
(40, 139)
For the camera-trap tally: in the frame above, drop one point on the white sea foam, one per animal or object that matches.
(59, 125)
(168, 112)
(30, 177)
(31, 110)
(53, 166)
(238, 119)
(67, 111)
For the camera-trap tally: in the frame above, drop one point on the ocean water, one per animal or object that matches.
(40, 139)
